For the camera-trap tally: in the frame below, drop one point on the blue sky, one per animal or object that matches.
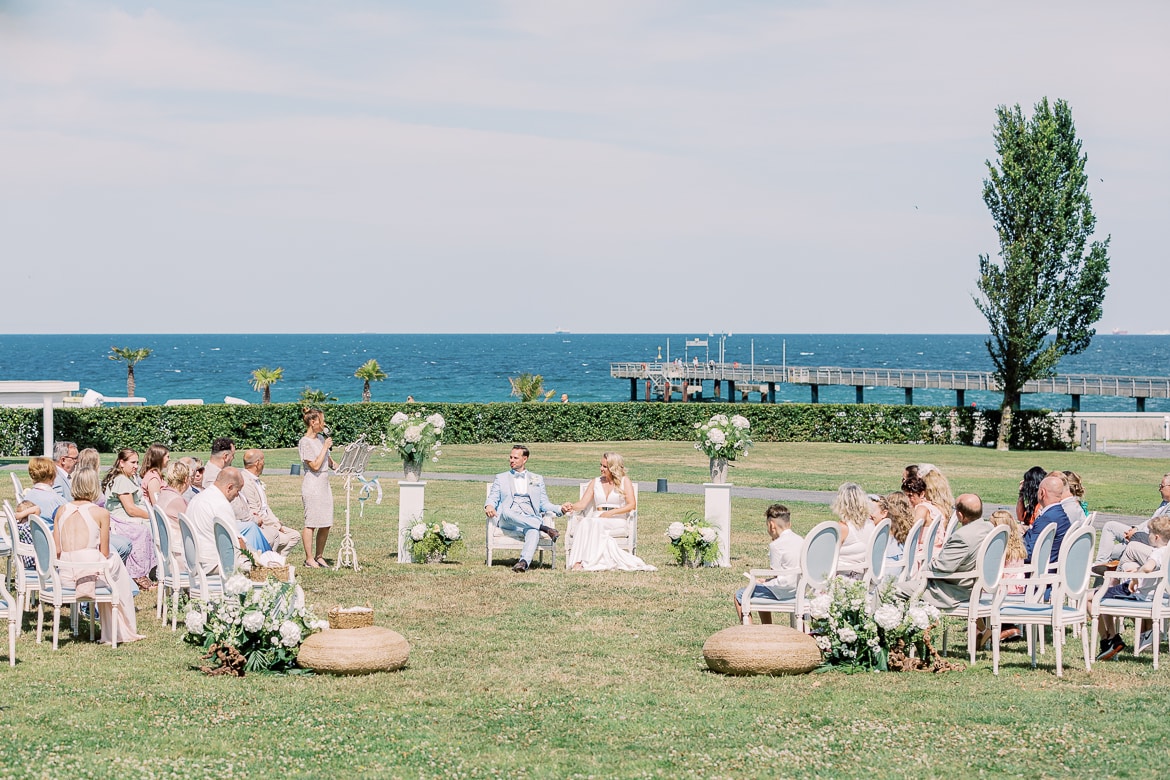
(597, 166)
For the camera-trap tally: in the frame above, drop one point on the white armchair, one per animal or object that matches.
(498, 540)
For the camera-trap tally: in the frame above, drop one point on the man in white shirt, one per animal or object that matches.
(783, 555)
(214, 501)
(281, 538)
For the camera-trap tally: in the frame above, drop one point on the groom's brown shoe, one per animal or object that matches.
(553, 533)
(521, 565)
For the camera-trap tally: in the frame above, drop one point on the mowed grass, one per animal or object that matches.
(565, 674)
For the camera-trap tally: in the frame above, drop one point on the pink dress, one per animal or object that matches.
(121, 585)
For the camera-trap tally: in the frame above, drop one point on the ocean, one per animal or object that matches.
(476, 367)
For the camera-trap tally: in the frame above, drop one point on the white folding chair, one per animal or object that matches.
(818, 563)
(626, 538)
(57, 594)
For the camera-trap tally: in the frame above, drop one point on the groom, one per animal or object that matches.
(518, 499)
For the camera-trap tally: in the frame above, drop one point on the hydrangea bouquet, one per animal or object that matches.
(415, 438)
(694, 542)
(264, 625)
(855, 631)
(431, 542)
(724, 437)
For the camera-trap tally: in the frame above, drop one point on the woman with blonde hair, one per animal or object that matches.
(852, 509)
(896, 507)
(938, 488)
(316, 494)
(611, 496)
(81, 534)
(177, 478)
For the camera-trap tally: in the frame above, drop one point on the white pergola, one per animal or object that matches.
(41, 394)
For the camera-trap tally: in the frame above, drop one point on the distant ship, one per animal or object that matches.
(560, 331)
(1119, 332)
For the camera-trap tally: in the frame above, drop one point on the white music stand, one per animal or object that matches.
(353, 464)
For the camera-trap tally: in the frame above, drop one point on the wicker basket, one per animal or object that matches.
(262, 573)
(351, 617)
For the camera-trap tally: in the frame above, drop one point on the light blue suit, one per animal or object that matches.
(513, 522)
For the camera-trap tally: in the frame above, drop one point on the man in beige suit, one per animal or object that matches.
(280, 537)
(958, 554)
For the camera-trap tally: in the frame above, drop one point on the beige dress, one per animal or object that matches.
(121, 586)
(316, 493)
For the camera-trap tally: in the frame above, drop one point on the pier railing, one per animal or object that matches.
(680, 374)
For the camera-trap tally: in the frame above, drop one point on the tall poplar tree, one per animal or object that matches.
(1043, 296)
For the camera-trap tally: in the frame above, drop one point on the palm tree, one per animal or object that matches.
(264, 378)
(311, 397)
(529, 387)
(131, 356)
(370, 371)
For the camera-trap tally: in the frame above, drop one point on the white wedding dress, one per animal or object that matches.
(593, 547)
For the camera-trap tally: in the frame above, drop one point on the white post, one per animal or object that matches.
(717, 512)
(47, 401)
(410, 511)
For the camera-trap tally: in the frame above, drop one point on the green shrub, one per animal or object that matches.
(273, 426)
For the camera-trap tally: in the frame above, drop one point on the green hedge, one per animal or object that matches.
(279, 425)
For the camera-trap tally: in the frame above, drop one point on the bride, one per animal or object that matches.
(612, 498)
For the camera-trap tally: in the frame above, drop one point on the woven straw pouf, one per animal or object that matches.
(354, 651)
(761, 649)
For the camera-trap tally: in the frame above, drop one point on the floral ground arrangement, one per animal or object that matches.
(251, 629)
(856, 630)
(431, 542)
(543, 674)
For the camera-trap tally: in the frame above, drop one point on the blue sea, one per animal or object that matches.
(476, 367)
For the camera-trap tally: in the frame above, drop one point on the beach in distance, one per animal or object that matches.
(476, 367)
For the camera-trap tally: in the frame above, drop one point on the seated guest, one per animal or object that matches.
(195, 481)
(1136, 590)
(82, 533)
(223, 454)
(42, 472)
(1118, 537)
(150, 475)
(128, 516)
(783, 555)
(1048, 512)
(1027, 504)
(938, 489)
(612, 497)
(176, 477)
(924, 510)
(852, 509)
(65, 457)
(958, 554)
(280, 537)
(214, 502)
(90, 459)
(1076, 492)
(897, 508)
(24, 510)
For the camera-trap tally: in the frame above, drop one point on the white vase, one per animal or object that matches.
(719, 470)
(412, 470)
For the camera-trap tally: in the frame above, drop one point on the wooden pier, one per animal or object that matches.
(660, 381)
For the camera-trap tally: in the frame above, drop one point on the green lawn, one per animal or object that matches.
(564, 674)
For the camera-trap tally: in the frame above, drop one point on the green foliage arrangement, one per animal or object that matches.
(414, 437)
(693, 542)
(724, 437)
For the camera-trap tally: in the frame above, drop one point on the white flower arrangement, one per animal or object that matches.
(854, 630)
(724, 437)
(415, 437)
(693, 542)
(266, 624)
(431, 541)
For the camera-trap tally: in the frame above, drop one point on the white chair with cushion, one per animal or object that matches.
(206, 582)
(25, 581)
(10, 610)
(170, 573)
(875, 558)
(909, 548)
(16, 486)
(626, 538)
(55, 593)
(1155, 610)
(498, 540)
(1067, 605)
(818, 563)
(986, 594)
